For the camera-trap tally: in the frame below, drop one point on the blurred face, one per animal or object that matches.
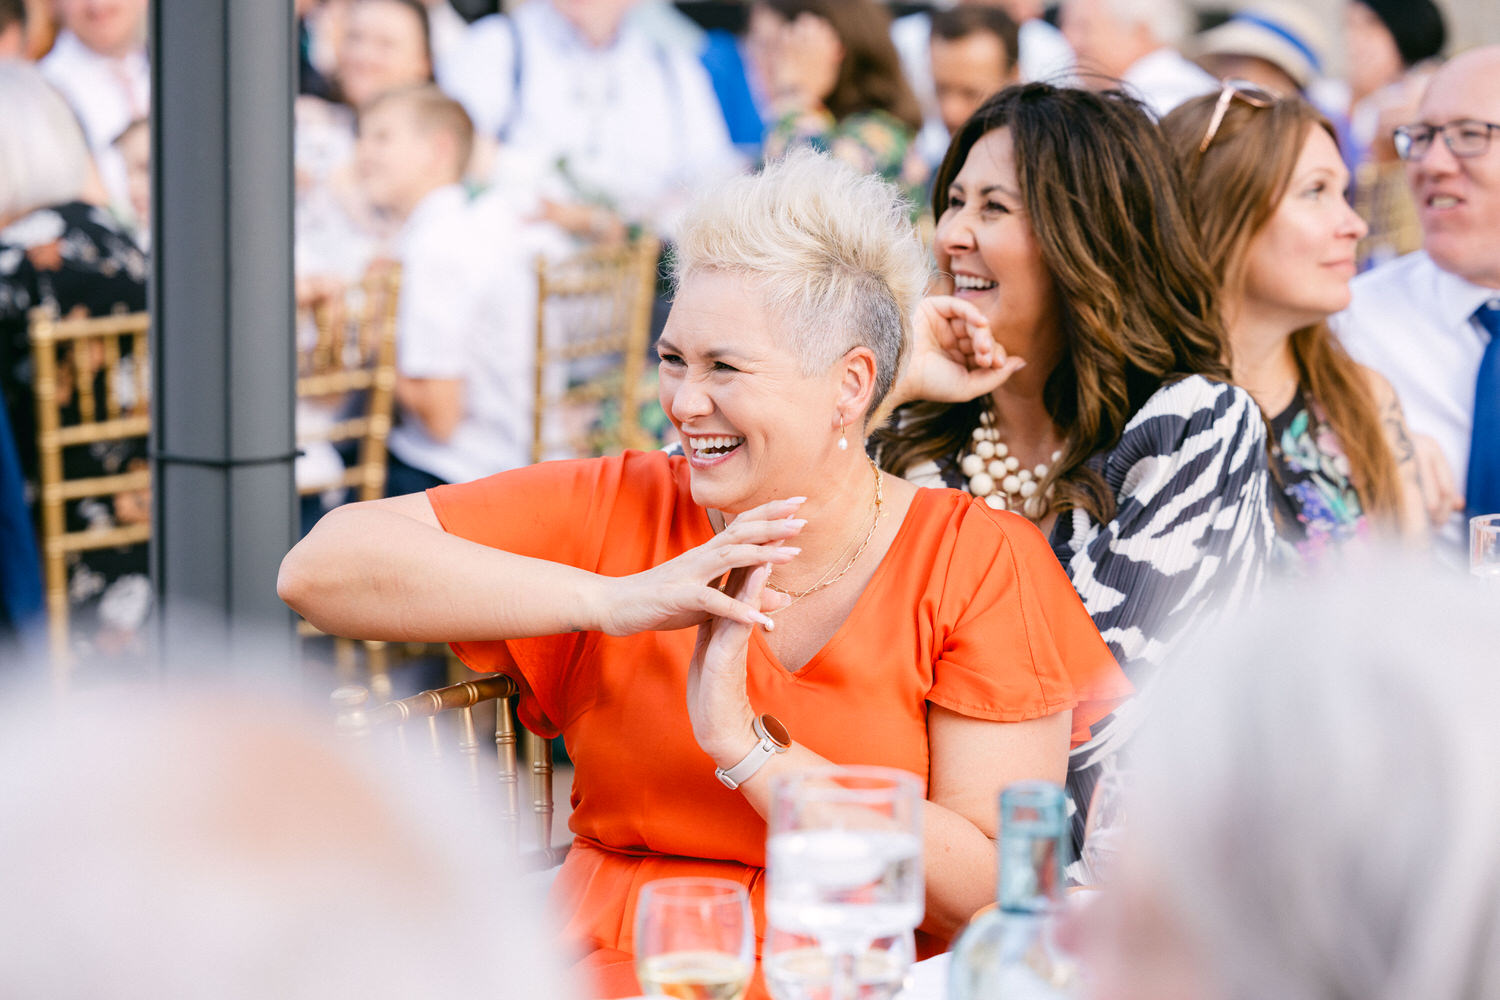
(1299, 265)
(397, 161)
(1458, 199)
(382, 50)
(753, 427)
(1103, 43)
(1374, 60)
(762, 38)
(964, 72)
(597, 20)
(985, 240)
(109, 27)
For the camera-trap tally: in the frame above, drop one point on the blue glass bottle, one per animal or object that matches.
(1007, 951)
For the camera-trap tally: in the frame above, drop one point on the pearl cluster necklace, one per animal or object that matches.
(996, 476)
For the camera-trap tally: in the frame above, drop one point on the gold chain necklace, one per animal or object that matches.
(830, 578)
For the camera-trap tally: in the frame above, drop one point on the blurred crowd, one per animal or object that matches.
(464, 150)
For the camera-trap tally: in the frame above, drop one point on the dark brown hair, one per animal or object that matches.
(1231, 191)
(968, 19)
(1135, 295)
(870, 76)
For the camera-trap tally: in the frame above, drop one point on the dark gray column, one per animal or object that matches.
(222, 88)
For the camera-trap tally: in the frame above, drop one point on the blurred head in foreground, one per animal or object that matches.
(1314, 815)
(225, 846)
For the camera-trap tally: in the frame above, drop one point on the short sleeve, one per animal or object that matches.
(1015, 642)
(1192, 524)
(562, 512)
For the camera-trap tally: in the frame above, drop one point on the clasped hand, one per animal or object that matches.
(691, 588)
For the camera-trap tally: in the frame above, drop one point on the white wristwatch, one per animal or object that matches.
(773, 740)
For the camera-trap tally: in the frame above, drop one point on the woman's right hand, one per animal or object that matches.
(954, 356)
(690, 589)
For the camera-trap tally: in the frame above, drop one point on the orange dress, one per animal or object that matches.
(969, 610)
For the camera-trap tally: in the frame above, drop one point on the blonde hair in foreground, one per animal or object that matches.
(1314, 798)
(832, 252)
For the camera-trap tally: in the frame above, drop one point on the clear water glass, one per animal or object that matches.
(1106, 825)
(844, 883)
(694, 939)
(1484, 549)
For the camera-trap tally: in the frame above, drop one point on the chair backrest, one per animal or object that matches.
(1384, 200)
(593, 323)
(346, 379)
(457, 704)
(91, 383)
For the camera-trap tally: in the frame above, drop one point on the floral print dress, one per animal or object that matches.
(77, 259)
(1317, 507)
(872, 142)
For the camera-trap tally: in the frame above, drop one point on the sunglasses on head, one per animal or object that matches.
(1246, 91)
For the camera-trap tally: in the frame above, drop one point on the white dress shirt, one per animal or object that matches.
(1164, 79)
(636, 121)
(1413, 322)
(467, 311)
(107, 94)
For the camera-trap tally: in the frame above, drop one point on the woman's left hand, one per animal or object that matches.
(954, 356)
(718, 704)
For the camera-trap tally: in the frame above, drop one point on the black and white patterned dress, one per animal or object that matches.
(1192, 533)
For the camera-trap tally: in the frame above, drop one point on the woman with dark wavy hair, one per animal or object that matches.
(1073, 375)
(1265, 184)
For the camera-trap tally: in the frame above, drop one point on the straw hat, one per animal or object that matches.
(1282, 32)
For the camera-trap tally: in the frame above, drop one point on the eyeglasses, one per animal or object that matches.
(1464, 138)
(1245, 91)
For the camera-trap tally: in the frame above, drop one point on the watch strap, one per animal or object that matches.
(765, 748)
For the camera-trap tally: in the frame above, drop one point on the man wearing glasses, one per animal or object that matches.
(1430, 321)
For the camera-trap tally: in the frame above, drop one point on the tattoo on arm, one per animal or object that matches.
(1401, 446)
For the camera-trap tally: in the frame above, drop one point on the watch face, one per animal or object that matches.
(776, 731)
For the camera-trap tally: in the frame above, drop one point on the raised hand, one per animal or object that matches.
(718, 704)
(954, 356)
(687, 590)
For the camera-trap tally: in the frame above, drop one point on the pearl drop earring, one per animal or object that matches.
(843, 441)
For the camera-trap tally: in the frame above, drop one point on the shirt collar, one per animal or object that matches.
(1456, 298)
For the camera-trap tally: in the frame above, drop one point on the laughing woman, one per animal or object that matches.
(881, 623)
(1121, 437)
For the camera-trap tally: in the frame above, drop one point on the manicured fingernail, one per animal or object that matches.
(796, 499)
(790, 550)
(767, 624)
(797, 522)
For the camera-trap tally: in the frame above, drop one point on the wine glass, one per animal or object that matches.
(694, 939)
(1484, 548)
(844, 883)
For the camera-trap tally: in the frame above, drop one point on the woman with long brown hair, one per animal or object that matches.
(835, 83)
(1121, 436)
(1265, 184)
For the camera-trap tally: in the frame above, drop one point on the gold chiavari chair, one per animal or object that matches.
(350, 370)
(459, 706)
(346, 381)
(593, 323)
(91, 383)
(1384, 200)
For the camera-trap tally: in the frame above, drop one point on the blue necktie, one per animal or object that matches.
(1483, 494)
